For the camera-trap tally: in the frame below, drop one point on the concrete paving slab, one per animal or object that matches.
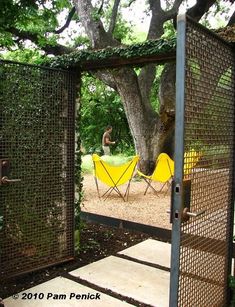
(62, 292)
(151, 251)
(141, 282)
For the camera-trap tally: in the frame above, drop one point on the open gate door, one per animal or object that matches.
(36, 167)
(202, 195)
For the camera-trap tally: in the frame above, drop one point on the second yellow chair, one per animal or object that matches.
(163, 172)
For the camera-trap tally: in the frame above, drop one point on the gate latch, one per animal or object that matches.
(185, 190)
(4, 172)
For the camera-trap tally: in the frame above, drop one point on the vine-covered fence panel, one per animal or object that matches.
(36, 167)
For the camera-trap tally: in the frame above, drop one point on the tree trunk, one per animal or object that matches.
(167, 91)
(152, 133)
(141, 119)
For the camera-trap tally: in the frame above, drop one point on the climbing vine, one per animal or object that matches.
(78, 58)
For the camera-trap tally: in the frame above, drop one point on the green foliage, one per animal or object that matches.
(32, 17)
(154, 98)
(95, 14)
(102, 106)
(151, 47)
(38, 20)
(169, 30)
(122, 30)
(6, 39)
(24, 56)
(81, 41)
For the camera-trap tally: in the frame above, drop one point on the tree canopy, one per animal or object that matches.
(43, 22)
(60, 27)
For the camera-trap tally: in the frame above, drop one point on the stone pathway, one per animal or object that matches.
(136, 276)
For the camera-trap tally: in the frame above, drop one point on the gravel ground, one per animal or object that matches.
(149, 209)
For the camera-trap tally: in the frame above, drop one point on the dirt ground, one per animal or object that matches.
(150, 209)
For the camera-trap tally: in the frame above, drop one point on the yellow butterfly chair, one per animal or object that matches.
(163, 172)
(113, 175)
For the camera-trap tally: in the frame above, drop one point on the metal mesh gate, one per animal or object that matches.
(37, 148)
(209, 131)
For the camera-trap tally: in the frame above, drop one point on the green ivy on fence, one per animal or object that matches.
(77, 58)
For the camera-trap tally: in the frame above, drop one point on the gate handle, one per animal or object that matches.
(5, 179)
(188, 213)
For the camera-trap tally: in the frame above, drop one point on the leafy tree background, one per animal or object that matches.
(102, 106)
(49, 27)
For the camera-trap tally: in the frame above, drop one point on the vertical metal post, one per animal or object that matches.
(179, 159)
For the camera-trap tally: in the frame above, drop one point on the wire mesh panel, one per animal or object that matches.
(37, 151)
(208, 169)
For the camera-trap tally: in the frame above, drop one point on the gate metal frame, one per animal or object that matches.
(177, 187)
(176, 201)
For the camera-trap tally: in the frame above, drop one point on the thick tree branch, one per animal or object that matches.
(157, 20)
(145, 79)
(159, 16)
(93, 25)
(130, 2)
(231, 20)
(34, 38)
(106, 77)
(174, 10)
(101, 7)
(114, 16)
(200, 8)
(67, 23)
(155, 5)
(147, 74)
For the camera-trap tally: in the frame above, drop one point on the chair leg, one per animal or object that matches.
(154, 190)
(97, 187)
(127, 191)
(148, 185)
(118, 192)
(163, 186)
(109, 191)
